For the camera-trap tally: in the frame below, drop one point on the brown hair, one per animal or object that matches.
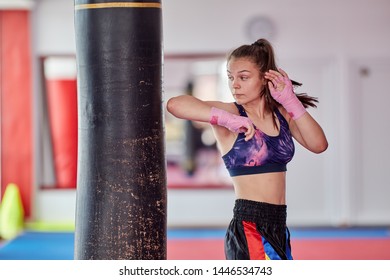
(262, 54)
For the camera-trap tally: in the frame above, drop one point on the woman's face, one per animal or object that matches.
(245, 81)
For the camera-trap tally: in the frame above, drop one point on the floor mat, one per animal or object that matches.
(207, 244)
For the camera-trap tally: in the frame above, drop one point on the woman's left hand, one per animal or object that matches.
(281, 90)
(279, 85)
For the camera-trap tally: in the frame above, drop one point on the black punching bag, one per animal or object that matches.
(121, 176)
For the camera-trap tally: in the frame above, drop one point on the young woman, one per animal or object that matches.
(255, 136)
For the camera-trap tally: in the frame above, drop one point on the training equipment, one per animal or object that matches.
(287, 98)
(121, 171)
(11, 213)
(232, 122)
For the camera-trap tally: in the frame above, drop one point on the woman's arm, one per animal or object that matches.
(223, 116)
(191, 108)
(307, 132)
(302, 125)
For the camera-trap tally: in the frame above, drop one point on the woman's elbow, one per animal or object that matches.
(320, 147)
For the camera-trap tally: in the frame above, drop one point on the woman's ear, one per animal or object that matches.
(264, 81)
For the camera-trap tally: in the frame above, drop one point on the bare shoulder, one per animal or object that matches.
(227, 106)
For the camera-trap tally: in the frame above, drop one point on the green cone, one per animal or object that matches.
(11, 213)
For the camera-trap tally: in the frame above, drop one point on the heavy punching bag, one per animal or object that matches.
(121, 179)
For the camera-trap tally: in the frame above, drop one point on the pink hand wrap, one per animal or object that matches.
(232, 122)
(288, 99)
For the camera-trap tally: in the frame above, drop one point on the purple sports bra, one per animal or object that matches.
(262, 153)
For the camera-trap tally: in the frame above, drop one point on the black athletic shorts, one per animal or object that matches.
(258, 231)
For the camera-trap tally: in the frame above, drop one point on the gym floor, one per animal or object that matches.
(207, 244)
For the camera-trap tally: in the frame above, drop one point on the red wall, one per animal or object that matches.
(16, 103)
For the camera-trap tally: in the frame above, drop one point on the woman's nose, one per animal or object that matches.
(235, 84)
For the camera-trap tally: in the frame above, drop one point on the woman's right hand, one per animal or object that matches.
(234, 123)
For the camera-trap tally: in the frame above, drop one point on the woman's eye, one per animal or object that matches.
(244, 78)
(230, 78)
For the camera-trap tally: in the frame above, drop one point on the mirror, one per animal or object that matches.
(189, 145)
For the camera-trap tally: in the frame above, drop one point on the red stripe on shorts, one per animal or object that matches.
(254, 241)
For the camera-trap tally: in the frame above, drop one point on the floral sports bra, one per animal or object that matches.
(262, 153)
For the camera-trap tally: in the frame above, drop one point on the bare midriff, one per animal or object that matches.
(266, 187)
